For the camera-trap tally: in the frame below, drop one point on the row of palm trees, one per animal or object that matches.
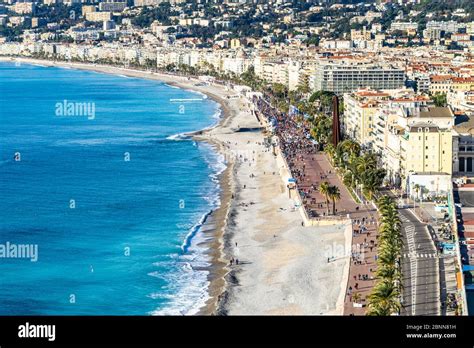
(362, 169)
(357, 169)
(384, 298)
(331, 193)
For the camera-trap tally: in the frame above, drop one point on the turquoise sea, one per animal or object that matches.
(112, 202)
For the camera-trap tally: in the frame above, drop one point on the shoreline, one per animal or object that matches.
(216, 222)
(282, 268)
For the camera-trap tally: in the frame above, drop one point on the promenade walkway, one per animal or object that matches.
(317, 168)
(310, 168)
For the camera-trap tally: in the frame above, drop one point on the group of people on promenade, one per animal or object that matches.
(299, 149)
(301, 154)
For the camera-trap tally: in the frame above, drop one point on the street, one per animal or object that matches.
(419, 267)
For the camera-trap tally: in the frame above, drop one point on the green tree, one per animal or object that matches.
(279, 90)
(322, 129)
(389, 272)
(325, 190)
(356, 297)
(335, 195)
(384, 299)
(372, 180)
(440, 99)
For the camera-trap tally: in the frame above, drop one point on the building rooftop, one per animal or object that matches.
(371, 93)
(435, 111)
(415, 127)
(464, 125)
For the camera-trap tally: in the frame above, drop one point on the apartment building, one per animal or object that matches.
(419, 139)
(15, 21)
(345, 76)
(411, 136)
(409, 27)
(299, 71)
(236, 62)
(273, 71)
(387, 141)
(294, 74)
(336, 44)
(446, 26)
(360, 108)
(462, 101)
(98, 16)
(427, 147)
(362, 34)
(194, 21)
(111, 6)
(369, 17)
(422, 83)
(447, 83)
(432, 34)
(85, 9)
(463, 147)
(24, 7)
(156, 2)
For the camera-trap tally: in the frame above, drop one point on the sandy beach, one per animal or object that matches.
(283, 267)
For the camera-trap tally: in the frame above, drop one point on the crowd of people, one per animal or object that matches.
(301, 154)
(299, 149)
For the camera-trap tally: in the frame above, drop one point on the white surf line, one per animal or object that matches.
(173, 100)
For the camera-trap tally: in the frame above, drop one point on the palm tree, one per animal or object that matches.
(279, 90)
(349, 146)
(335, 195)
(385, 257)
(385, 296)
(383, 203)
(366, 163)
(303, 87)
(417, 190)
(372, 180)
(356, 297)
(384, 299)
(390, 218)
(304, 107)
(351, 176)
(330, 150)
(348, 178)
(389, 272)
(325, 190)
(391, 243)
(322, 129)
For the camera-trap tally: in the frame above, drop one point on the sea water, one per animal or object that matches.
(112, 199)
